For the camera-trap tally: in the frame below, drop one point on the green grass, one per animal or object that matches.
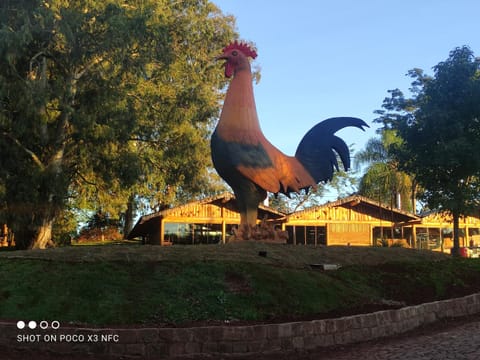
(278, 255)
(411, 282)
(128, 293)
(190, 286)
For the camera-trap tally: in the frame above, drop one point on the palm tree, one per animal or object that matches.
(382, 180)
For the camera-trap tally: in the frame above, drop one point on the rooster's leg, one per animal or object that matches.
(248, 196)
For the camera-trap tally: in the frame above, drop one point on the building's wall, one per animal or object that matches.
(185, 224)
(349, 234)
(153, 236)
(345, 225)
(349, 212)
(202, 213)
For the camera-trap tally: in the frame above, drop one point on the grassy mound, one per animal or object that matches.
(277, 255)
(142, 285)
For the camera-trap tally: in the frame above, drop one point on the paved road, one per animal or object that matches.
(455, 340)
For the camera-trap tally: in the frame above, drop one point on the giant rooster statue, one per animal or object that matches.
(247, 161)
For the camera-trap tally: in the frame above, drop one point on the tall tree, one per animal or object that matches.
(77, 105)
(440, 127)
(382, 180)
(176, 104)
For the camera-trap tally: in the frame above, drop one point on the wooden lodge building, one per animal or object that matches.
(207, 221)
(354, 220)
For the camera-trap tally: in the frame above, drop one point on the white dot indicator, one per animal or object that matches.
(32, 324)
(43, 324)
(55, 324)
(21, 324)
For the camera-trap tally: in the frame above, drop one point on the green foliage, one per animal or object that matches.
(344, 183)
(439, 128)
(64, 228)
(101, 102)
(297, 201)
(383, 180)
(100, 220)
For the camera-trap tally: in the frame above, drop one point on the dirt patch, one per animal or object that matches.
(237, 284)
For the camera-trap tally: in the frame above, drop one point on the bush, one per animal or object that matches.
(109, 233)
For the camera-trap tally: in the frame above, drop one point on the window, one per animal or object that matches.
(422, 238)
(207, 233)
(191, 234)
(387, 235)
(473, 237)
(178, 233)
(307, 235)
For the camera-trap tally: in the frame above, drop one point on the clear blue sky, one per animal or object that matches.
(322, 58)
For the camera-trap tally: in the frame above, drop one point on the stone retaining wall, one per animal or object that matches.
(163, 343)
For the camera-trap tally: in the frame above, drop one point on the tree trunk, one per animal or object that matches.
(43, 235)
(456, 239)
(34, 236)
(414, 197)
(129, 215)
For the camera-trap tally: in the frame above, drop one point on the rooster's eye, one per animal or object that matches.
(234, 53)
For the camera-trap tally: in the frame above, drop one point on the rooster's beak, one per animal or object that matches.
(221, 57)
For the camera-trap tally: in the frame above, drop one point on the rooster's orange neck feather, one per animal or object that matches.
(239, 120)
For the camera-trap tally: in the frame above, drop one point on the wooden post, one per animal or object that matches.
(441, 237)
(414, 236)
(327, 226)
(162, 231)
(370, 233)
(224, 231)
(224, 224)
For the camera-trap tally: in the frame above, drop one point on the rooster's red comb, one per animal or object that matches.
(243, 47)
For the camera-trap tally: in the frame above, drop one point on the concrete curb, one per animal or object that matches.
(218, 341)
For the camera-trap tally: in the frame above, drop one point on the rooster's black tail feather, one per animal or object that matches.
(315, 151)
